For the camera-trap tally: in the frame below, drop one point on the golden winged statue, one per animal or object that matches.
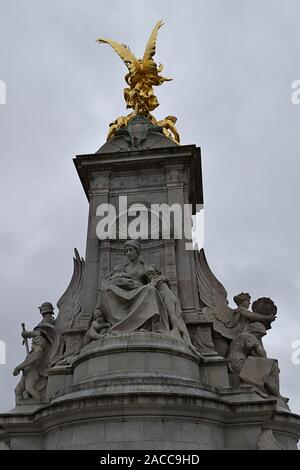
(143, 74)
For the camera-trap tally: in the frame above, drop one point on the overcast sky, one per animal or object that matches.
(233, 63)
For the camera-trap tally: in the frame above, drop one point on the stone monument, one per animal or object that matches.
(145, 352)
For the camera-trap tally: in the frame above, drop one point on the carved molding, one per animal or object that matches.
(267, 441)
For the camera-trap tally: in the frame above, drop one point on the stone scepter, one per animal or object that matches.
(25, 340)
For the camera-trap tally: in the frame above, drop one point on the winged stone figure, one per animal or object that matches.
(143, 75)
(228, 322)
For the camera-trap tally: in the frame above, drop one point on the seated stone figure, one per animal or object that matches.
(98, 328)
(128, 300)
(248, 359)
(34, 371)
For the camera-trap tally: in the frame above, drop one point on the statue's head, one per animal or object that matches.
(152, 271)
(45, 308)
(132, 249)
(242, 299)
(98, 315)
(257, 329)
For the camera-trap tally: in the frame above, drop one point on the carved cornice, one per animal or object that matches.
(151, 159)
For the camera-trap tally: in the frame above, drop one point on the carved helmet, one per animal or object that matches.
(46, 307)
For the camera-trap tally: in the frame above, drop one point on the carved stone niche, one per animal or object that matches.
(201, 333)
(159, 252)
(73, 340)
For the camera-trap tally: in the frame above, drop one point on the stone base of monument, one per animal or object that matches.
(148, 391)
(138, 355)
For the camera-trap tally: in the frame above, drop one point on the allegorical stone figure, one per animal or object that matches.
(47, 329)
(248, 359)
(47, 348)
(34, 371)
(228, 322)
(98, 328)
(177, 324)
(242, 315)
(128, 300)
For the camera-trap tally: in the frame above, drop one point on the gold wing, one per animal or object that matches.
(151, 45)
(124, 52)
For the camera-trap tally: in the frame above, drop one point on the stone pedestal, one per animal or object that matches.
(147, 391)
(143, 390)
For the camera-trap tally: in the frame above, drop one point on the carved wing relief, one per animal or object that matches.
(214, 297)
(69, 304)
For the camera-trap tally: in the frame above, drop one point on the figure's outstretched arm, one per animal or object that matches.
(30, 334)
(257, 316)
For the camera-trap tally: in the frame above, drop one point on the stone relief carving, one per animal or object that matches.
(128, 301)
(137, 297)
(69, 304)
(152, 180)
(138, 134)
(68, 318)
(175, 176)
(98, 327)
(201, 337)
(136, 180)
(99, 182)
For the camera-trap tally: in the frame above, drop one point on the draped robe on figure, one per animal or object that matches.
(129, 303)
